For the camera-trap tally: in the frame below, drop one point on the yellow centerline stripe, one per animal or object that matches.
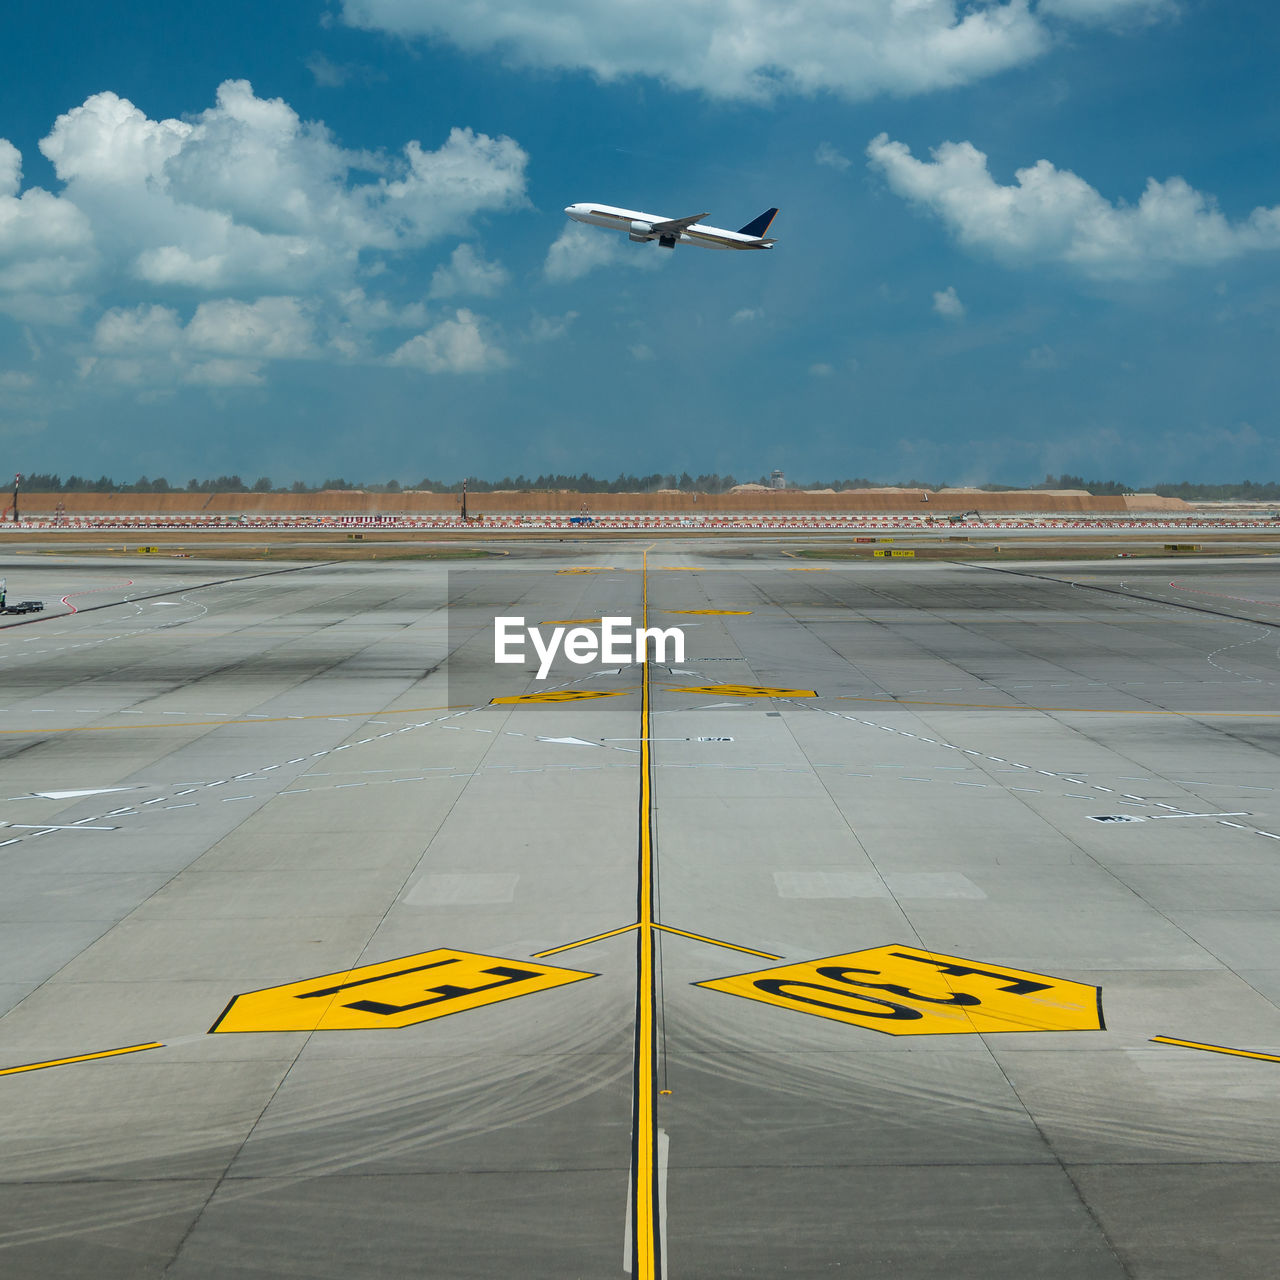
(645, 1219)
(1216, 1048)
(569, 946)
(715, 942)
(83, 1057)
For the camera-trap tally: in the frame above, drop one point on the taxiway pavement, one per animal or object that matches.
(934, 865)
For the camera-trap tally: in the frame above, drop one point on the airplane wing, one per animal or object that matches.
(677, 225)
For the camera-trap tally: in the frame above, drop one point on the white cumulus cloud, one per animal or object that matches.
(46, 247)
(753, 49)
(225, 343)
(946, 302)
(578, 250)
(249, 196)
(549, 328)
(271, 328)
(468, 272)
(284, 231)
(828, 155)
(1052, 215)
(452, 346)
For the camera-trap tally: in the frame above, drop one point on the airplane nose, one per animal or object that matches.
(571, 209)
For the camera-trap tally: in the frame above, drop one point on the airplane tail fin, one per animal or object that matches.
(759, 226)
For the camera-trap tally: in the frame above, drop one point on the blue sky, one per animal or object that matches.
(308, 239)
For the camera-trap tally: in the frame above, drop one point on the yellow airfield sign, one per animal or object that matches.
(904, 991)
(712, 613)
(558, 695)
(745, 691)
(396, 993)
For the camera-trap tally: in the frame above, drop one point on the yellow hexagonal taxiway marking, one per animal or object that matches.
(559, 695)
(744, 690)
(904, 991)
(396, 993)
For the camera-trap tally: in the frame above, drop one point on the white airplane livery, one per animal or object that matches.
(669, 232)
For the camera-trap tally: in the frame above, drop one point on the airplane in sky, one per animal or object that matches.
(669, 232)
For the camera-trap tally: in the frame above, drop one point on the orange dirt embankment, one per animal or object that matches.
(562, 502)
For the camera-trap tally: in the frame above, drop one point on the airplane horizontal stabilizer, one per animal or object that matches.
(758, 226)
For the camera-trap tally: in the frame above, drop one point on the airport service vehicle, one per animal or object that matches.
(23, 606)
(669, 232)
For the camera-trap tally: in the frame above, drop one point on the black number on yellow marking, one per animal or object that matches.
(1018, 986)
(557, 695)
(450, 992)
(839, 974)
(392, 994)
(905, 992)
(744, 691)
(786, 987)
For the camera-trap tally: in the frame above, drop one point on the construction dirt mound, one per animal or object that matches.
(335, 502)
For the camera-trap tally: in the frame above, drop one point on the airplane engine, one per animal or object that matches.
(641, 231)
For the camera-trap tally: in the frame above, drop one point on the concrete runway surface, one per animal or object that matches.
(923, 921)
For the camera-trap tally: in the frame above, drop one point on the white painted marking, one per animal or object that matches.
(89, 791)
(50, 826)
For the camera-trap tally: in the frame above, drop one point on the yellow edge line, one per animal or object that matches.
(1216, 1048)
(84, 1057)
(569, 946)
(196, 724)
(645, 1224)
(715, 942)
(1100, 711)
(648, 1262)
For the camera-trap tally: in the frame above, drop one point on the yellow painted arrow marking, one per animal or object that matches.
(559, 695)
(744, 690)
(904, 991)
(396, 993)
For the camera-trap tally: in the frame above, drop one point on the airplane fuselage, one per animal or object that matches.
(642, 226)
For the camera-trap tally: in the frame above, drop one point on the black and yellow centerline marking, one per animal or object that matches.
(82, 1057)
(646, 1220)
(1216, 1048)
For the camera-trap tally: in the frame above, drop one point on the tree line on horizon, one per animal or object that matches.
(39, 482)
